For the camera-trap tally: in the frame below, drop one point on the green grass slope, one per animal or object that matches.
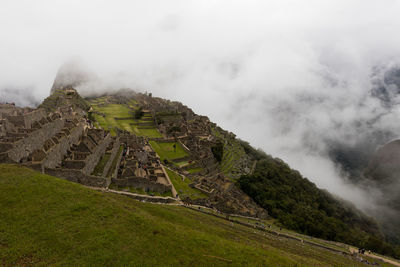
(183, 188)
(167, 151)
(49, 221)
(128, 123)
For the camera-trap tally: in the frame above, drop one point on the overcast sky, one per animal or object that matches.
(284, 75)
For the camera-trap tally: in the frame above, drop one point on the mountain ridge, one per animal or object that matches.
(139, 143)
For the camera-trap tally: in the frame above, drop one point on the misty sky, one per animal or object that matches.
(285, 75)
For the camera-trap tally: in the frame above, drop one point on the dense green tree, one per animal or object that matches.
(218, 151)
(139, 113)
(299, 205)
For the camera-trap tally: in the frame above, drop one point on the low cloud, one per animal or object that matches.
(298, 79)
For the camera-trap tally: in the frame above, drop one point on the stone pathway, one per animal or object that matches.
(394, 262)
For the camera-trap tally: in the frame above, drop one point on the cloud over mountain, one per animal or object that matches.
(305, 81)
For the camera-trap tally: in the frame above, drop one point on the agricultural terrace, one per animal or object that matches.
(122, 117)
(98, 170)
(182, 187)
(167, 151)
(232, 154)
(195, 170)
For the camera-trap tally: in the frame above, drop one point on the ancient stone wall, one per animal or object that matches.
(5, 146)
(33, 116)
(4, 157)
(24, 147)
(17, 120)
(3, 131)
(153, 199)
(114, 152)
(77, 176)
(56, 154)
(142, 183)
(97, 153)
(7, 110)
(207, 161)
(26, 120)
(115, 173)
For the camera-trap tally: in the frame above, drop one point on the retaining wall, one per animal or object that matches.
(33, 116)
(24, 147)
(56, 154)
(142, 183)
(77, 176)
(28, 119)
(145, 198)
(98, 152)
(114, 152)
(115, 173)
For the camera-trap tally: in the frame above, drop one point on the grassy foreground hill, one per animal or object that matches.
(48, 221)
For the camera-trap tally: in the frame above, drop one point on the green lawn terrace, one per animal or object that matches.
(145, 126)
(133, 104)
(232, 156)
(195, 170)
(49, 221)
(112, 116)
(166, 151)
(108, 162)
(235, 161)
(99, 100)
(168, 116)
(190, 168)
(182, 186)
(115, 161)
(99, 169)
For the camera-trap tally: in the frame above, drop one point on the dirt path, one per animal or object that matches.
(355, 250)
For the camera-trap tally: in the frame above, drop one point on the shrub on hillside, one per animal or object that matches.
(139, 113)
(218, 151)
(174, 129)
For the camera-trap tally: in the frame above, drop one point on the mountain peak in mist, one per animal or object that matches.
(72, 74)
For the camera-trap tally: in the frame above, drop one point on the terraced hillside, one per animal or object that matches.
(49, 221)
(235, 161)
(171, 151)
(111, 116)
(182, 186)
(64, 98)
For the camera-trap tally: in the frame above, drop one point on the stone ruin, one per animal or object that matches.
(67, 146)
(61, 141)
(140, 166)
(25, 130)
(177, 122)
(226, 197)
